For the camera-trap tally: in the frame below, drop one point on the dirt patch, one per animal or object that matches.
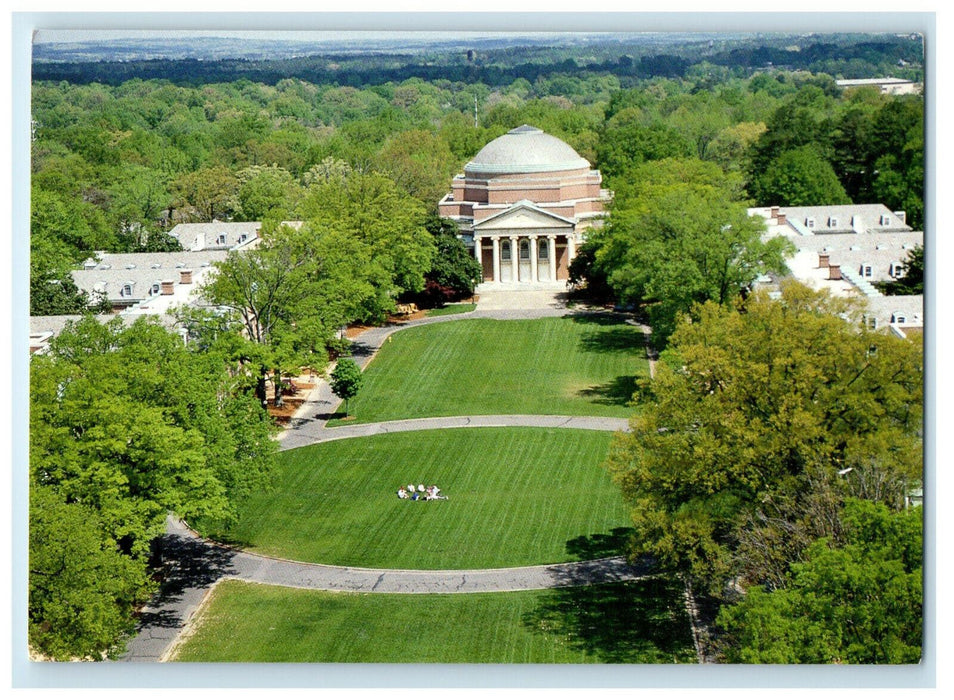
(292, 401)
(353, 332)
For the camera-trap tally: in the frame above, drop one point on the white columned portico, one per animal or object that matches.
(534, 251)
(496, 256)
(514, 259)
(551, 258)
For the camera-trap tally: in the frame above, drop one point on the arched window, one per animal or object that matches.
(505, 250)
(524, 249)
(544, 249)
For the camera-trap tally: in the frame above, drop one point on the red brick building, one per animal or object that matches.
(524, 202)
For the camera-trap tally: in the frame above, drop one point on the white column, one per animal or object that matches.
(570, 248)
(477, 251)
(551, 245)
(533, 258)
(496, 241)
(514, 259)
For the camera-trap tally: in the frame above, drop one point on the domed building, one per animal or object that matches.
(524, 203)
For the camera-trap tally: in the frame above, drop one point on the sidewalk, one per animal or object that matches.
(196, 565)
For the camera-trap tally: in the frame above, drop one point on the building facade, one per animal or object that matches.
(524, 203)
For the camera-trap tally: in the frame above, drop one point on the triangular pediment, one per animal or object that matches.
(523, 215)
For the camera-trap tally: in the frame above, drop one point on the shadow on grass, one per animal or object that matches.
(337, 415)
(598, 318)
(617, 338)
(618, 392)
(641, 621)
(598, 546)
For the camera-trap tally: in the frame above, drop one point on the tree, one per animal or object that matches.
(420, 163)
(898, 172)
(755, 411)
(454, 271)
(138, 198)
(799, 178)
(76, 226)
(207, 194)
(52, 289)
(346, 379)
(912, 281)
(793, 125)
(159, 242)
(730, 145)
(266, 190)
(383, 221)
(856, 599)
(83, 591)
(680, 238)
(126, 425)
(263, 286)
(629, 144)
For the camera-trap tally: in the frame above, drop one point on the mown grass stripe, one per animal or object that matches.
(551, 366)
(635, 622)
(516, 497)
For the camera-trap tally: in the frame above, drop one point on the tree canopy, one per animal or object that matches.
(346, 379)
(126, 425)
(677, 238)
(756, 409)
(800, 178)
(855, 599)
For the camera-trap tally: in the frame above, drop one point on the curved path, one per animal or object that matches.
(192, 566)
(309, 431)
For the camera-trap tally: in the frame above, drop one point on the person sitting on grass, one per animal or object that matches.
(402, 493)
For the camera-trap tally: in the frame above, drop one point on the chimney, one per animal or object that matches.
(774, 213)
(823, 260)
(782, 219)
(185, 276)
(834, 272)
(168, 287)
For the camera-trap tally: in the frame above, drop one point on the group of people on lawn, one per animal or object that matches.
(420, 493)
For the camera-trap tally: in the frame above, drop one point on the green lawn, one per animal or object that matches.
(635, 622)
(583, 366)
(451, 309)
(517, 496)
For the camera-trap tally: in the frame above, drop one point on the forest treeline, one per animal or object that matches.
(114, 167)
(844, 56)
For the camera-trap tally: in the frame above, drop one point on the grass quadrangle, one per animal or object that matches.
(516, 497)
(574, 365)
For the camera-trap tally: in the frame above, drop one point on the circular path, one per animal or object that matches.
(192, 565)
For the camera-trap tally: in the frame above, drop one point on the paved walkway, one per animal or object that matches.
(306, 430)
(193, 565)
